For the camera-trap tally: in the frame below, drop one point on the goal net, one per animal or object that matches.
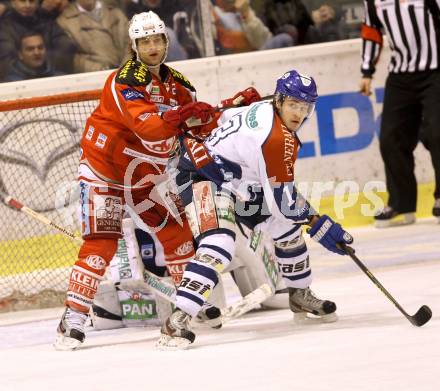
(39, 153)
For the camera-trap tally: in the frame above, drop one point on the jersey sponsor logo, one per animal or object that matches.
(90, 132)
(134, 73)
(144, 116)
(184, 249)
(163, 146)
(176, 270)
(173, 102)
(251, 117)
(213, 262)
(195, 286)
(205, 206)
(161, 107)
(157, 98)
(198, 153)
(255, 240)
(108, 213)
(131, 94)
(101, 140)
(155, 90)
(289, 151)
(83, 284)
(270, 266)
(96, 262)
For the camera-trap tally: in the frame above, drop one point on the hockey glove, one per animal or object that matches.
(329, 233)
(190, 115)
(242, 98)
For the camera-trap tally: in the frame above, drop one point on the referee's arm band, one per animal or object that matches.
(371, 34)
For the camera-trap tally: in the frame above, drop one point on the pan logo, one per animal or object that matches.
(35, 158)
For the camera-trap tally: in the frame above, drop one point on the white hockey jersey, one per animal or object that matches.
(251, 150)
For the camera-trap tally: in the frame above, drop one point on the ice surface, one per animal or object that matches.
(372, 347)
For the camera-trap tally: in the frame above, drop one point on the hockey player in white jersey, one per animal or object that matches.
(243, 173)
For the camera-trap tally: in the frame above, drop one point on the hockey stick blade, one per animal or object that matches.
(247, 303)
(422, 316)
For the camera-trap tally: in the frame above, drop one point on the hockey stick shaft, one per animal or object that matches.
(424, 313)
(221, 107)
(14, 204)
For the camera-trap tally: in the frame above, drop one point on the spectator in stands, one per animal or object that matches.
(24, 16)
(238, 29)
(166, 10)
(53, 8)
(328, 25)
(3, 8)
(32, 59)
(292, 17)
(100, 33)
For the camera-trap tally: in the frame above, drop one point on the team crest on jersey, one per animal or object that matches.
(131, 94)
(161, 147)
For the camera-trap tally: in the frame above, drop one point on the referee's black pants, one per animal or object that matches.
(411, 113)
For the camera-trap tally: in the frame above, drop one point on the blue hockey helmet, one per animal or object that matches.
(298, 86)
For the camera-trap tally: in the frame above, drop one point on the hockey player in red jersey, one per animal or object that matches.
(127, 144)
(244, 173)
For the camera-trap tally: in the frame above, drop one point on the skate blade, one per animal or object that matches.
(63, 343)
(402, 219)
(307, 318)
(166, 342)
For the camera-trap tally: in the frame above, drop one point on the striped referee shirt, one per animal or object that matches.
(412, 28)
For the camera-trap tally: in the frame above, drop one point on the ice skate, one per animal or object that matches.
(436, 209)
(391, 218)
(210, 315)
(70, 330)
(176, 333)
(308, 308)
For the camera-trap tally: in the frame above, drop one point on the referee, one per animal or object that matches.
(411, 108)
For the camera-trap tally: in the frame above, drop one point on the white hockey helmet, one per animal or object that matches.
(145, 24)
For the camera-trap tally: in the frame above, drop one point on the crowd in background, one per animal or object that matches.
(55, 37)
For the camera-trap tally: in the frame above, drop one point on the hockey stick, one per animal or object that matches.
(422, 316)
(162, 288)
(221, 107)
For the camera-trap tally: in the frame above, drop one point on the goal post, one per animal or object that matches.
(39, 154)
